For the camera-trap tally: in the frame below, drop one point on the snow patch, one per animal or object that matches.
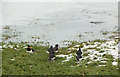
(68, 57)
(12, 59)
(103, 61)
(76, 45)
(0, 47)
(101, 65)
(114, 63)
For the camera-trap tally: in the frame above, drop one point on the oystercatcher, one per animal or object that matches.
(50, 49)
(30, 50)
(79, 53)
(51, 52)
(51, 55)
(56, 47)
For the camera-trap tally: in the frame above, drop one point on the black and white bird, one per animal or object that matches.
(51, 52)
(79, 54)
(51, 48)
(30, 50)
(56, 47)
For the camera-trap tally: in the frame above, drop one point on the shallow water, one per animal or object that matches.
(56, 22)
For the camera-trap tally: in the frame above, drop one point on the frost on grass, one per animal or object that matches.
(0, 47)
(68, 57)
(93, 51)
(101, 65)
(98, 50)
(114, 63)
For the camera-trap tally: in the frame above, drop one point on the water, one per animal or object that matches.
(55, 22)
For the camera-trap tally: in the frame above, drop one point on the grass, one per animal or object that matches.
(18, 62)
(62, 50)
(86, 54)
(85, 49)
(97, 49)
(105, 33)
(101, 51)
(98, 40)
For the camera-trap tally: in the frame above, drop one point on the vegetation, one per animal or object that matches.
(16, 61)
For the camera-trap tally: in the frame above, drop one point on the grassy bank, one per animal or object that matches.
(95, 61)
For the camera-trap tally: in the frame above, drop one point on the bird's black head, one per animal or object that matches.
(28, 46)
(51, 46)
(56, 45)
(79, 49)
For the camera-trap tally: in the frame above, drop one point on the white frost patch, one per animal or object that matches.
(12, 59)
(93, 46)
(114, 53)
(98, 47)
(90, 46)
(71, 66)
(101, 65)
(10, 46)
(108, 48)
(101, 53)
(96, 52)
(89, 62)
(114, 63)
(30, 65)
(0, 47)
(103, 61)
(111, 42)
(97, 43)
(61, 55)
(15, 48)
(4, 46)
(68, 51)
(91, 56)
(68, 57)
(71, 48)
(76, 45)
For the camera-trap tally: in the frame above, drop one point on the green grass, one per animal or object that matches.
(38, 64)
(62, 50)
(105, 33)
(101, 51)
(86, 54)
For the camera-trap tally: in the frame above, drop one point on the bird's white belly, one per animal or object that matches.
(47, 51)
(53, 58)
(29, 51)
